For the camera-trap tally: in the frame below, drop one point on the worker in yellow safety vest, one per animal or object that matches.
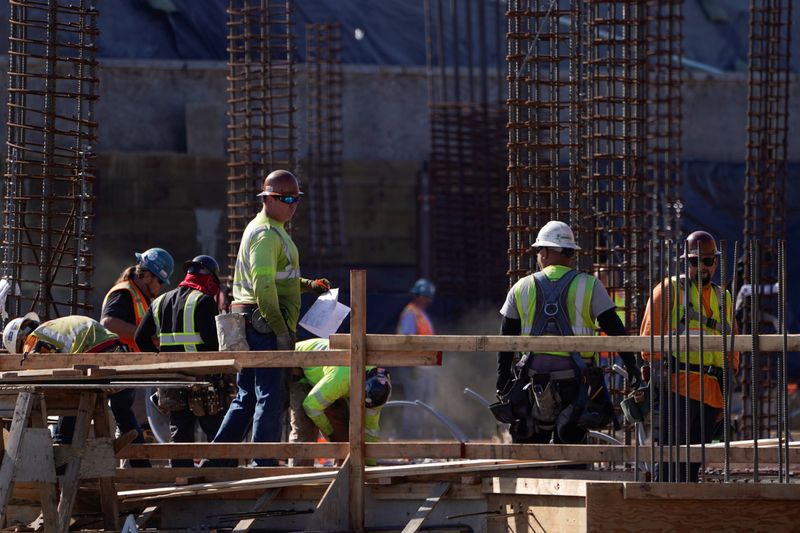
(551, 394)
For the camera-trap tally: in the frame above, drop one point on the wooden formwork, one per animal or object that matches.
(499, 483)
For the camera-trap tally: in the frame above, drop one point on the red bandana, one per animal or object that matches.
(206, 283)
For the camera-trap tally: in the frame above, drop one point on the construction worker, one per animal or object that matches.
(266, 289)
(182, 320)
(416, 382)
(702, 256)
(123, 309)
(326, 406)
(544, 394)
(68, 334)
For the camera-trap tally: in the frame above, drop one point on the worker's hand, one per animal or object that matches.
(286, 341)
(320, 286)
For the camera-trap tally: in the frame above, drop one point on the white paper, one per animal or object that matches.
(5, 289)
(326, 315)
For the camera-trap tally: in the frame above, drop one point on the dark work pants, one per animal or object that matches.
(122, 407)
(698, 414)
(182, 425)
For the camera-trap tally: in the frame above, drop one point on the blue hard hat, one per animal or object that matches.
(200, 263)
(423, 287)
(158, 262)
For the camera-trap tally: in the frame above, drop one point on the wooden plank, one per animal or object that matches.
(36, 462)
(109, 504)
(144, 476)
(501, 343)
(257, 359)
(48, 492)
(8, 468)
(539, 487)
(358, 350)
(707, 491)
(426, 508)
(608, 510)
(196, 368)
(97, 457)
(411, 490)
(371, 473)
(244, 525)
(238, 450)
(331, 513)
(69, 485)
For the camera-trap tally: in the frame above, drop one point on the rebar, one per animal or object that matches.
(664, 37)
(544, 116)
(261, 105)
(614, 149)
(465, 175)
(766, 174)
(324, 130)
(48, 203)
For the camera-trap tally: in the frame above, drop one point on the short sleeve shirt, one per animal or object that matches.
(120, 305)
(601, 301)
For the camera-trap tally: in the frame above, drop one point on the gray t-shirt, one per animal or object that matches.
(601, 301)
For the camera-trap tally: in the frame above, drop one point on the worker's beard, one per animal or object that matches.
(705, 277)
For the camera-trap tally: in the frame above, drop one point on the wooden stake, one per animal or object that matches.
(358, 334)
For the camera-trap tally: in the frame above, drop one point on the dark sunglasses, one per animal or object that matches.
(707, 261)
(288, 200)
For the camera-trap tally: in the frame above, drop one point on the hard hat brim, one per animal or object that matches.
(550, 244)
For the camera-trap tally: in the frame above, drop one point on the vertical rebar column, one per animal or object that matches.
(664, 37)
(765, 175)
(614, 135)
(467, 161)
(261, 106)
(48, 204)
(543, 113)
(324, 130)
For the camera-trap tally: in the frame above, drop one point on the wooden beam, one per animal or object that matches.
(239, 450)
(358, 351)
(69, 484)
(426, 508)
(145, 476)
(10, 461)
(331, 513)
(501, 343)
(371, 473)
(264, 359)
(109, 504)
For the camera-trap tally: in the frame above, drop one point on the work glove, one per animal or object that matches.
(286, 341)
(320, 286)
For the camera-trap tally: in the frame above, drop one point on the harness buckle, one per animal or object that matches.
(551, 309)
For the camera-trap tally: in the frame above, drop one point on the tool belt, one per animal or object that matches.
(252, 317)
(711, 370)
(559, 375)
(201, 400)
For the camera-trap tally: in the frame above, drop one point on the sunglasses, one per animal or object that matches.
(707, 261)
(288, 200)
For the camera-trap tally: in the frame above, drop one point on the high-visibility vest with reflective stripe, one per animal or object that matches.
(676, 288)
(421, 320)
(140, 307)
(243, 274)
(336, 386)
(579, 303)
(189, 339)
(71, 334)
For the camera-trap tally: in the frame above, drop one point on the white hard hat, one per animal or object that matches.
(555, 234)
(12, 329)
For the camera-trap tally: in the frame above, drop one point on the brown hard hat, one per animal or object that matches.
(704, 241)
(280, 182)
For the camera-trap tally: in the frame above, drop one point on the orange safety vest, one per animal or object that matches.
(424, 326)
(140, 306)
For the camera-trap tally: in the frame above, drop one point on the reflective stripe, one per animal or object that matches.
(320, 400)
(65, 340)
(708, 358)
(289, 272)
(188, 338)
(579, 293)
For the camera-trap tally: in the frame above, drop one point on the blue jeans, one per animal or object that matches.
(182, 425)
(260, 403)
